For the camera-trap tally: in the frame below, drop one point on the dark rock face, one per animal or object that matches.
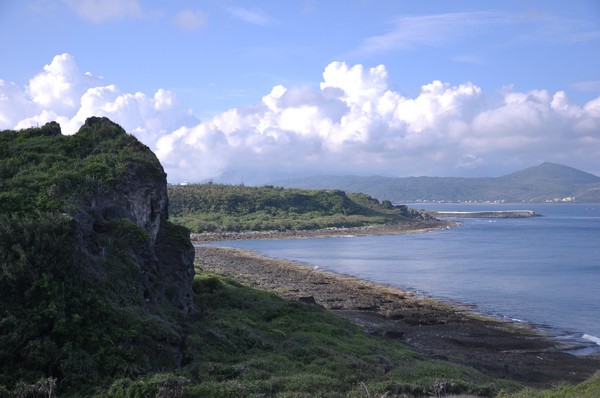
(164, 259)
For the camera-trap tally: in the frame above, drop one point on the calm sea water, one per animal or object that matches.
(541, 270)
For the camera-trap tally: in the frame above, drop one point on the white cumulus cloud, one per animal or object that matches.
(60, 85)
(353, 122)
(62, 92)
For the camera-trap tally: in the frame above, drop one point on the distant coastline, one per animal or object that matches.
(386, 229)
(545, 183)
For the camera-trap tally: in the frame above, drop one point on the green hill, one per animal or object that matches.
(546, 182)
(218, 208)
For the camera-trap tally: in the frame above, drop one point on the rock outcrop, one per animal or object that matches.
(95, 282)
(165, 265)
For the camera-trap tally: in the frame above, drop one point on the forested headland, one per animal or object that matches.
(234, 208)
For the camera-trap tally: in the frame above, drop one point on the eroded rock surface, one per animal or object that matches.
(164, 261)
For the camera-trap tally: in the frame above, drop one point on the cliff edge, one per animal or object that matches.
(135, 202)
(95, 282)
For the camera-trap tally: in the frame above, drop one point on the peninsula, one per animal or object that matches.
(485, 214)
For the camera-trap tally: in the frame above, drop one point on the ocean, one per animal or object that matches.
(543, 270)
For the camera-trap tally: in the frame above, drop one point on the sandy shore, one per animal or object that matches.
(435, 328)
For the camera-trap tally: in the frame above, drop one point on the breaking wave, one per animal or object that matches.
(591, 338)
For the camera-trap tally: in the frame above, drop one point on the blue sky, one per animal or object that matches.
(256, 91)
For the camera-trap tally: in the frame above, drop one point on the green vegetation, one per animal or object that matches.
(217, 208)
(247, 343)
(72, 315)
(588, 389)
(42, 170)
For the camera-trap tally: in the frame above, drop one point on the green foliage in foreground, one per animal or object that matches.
(248, 343)
(588, 389)
(218, 207)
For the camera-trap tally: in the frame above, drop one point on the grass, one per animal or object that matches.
(244, 342)
(248, 343)
(587, 389)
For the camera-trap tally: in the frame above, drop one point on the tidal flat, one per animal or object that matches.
(437, 329)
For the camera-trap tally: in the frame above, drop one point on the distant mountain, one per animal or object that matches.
(547, 182)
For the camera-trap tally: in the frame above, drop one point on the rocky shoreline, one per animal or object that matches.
(434, 328)
(415, 226)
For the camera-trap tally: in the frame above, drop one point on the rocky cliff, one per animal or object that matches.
(138, 194)
(95, 282)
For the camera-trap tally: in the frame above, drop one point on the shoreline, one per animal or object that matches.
(485, 214)
(435, 328)
(370, 230)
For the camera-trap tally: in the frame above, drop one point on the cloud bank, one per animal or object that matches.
(352, 123)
